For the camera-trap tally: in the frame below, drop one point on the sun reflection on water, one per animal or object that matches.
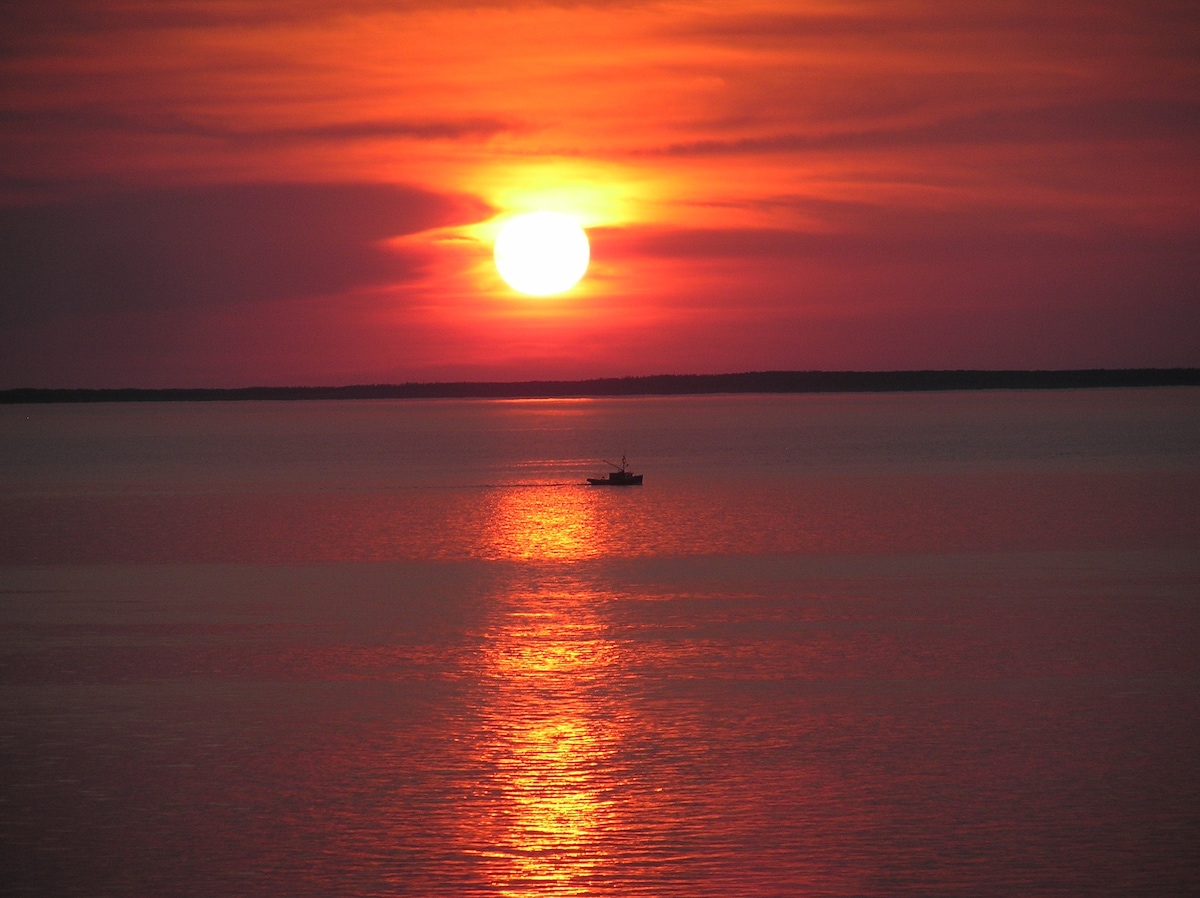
(550, 723)
(549, 733)
(542, 523)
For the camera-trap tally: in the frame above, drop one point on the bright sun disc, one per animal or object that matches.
(542, 253)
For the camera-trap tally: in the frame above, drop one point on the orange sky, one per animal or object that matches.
(221, 193)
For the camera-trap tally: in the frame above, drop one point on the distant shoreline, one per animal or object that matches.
(655, 385)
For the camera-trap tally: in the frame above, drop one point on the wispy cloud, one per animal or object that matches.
(1117, 119)
(98, 119)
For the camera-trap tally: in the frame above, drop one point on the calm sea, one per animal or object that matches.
(918, 644)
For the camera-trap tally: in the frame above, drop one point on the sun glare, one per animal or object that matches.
(542, 253)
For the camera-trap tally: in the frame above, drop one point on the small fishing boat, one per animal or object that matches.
(619, 477)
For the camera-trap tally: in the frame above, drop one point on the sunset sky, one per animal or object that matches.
(228, 193)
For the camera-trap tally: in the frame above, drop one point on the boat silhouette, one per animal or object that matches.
(619, 477)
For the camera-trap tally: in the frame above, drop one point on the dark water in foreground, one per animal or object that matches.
(836, 645)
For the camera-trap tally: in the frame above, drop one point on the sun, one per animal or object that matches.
(542, 253)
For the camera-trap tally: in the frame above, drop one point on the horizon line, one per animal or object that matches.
(811, 381)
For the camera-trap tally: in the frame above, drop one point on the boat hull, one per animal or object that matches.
(627, 480)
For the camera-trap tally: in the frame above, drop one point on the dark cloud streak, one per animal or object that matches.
(74, 119)
(861, 234)
(1118, 119)
(196, 247)
(1171, 19)
(29, 24)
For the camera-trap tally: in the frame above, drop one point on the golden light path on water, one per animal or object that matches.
(543, 523)
(549, 729)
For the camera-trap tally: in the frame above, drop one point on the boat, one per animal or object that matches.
(620, 477)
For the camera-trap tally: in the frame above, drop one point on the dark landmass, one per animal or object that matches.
(663, 385)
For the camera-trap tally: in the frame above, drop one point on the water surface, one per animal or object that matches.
(835, 645)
